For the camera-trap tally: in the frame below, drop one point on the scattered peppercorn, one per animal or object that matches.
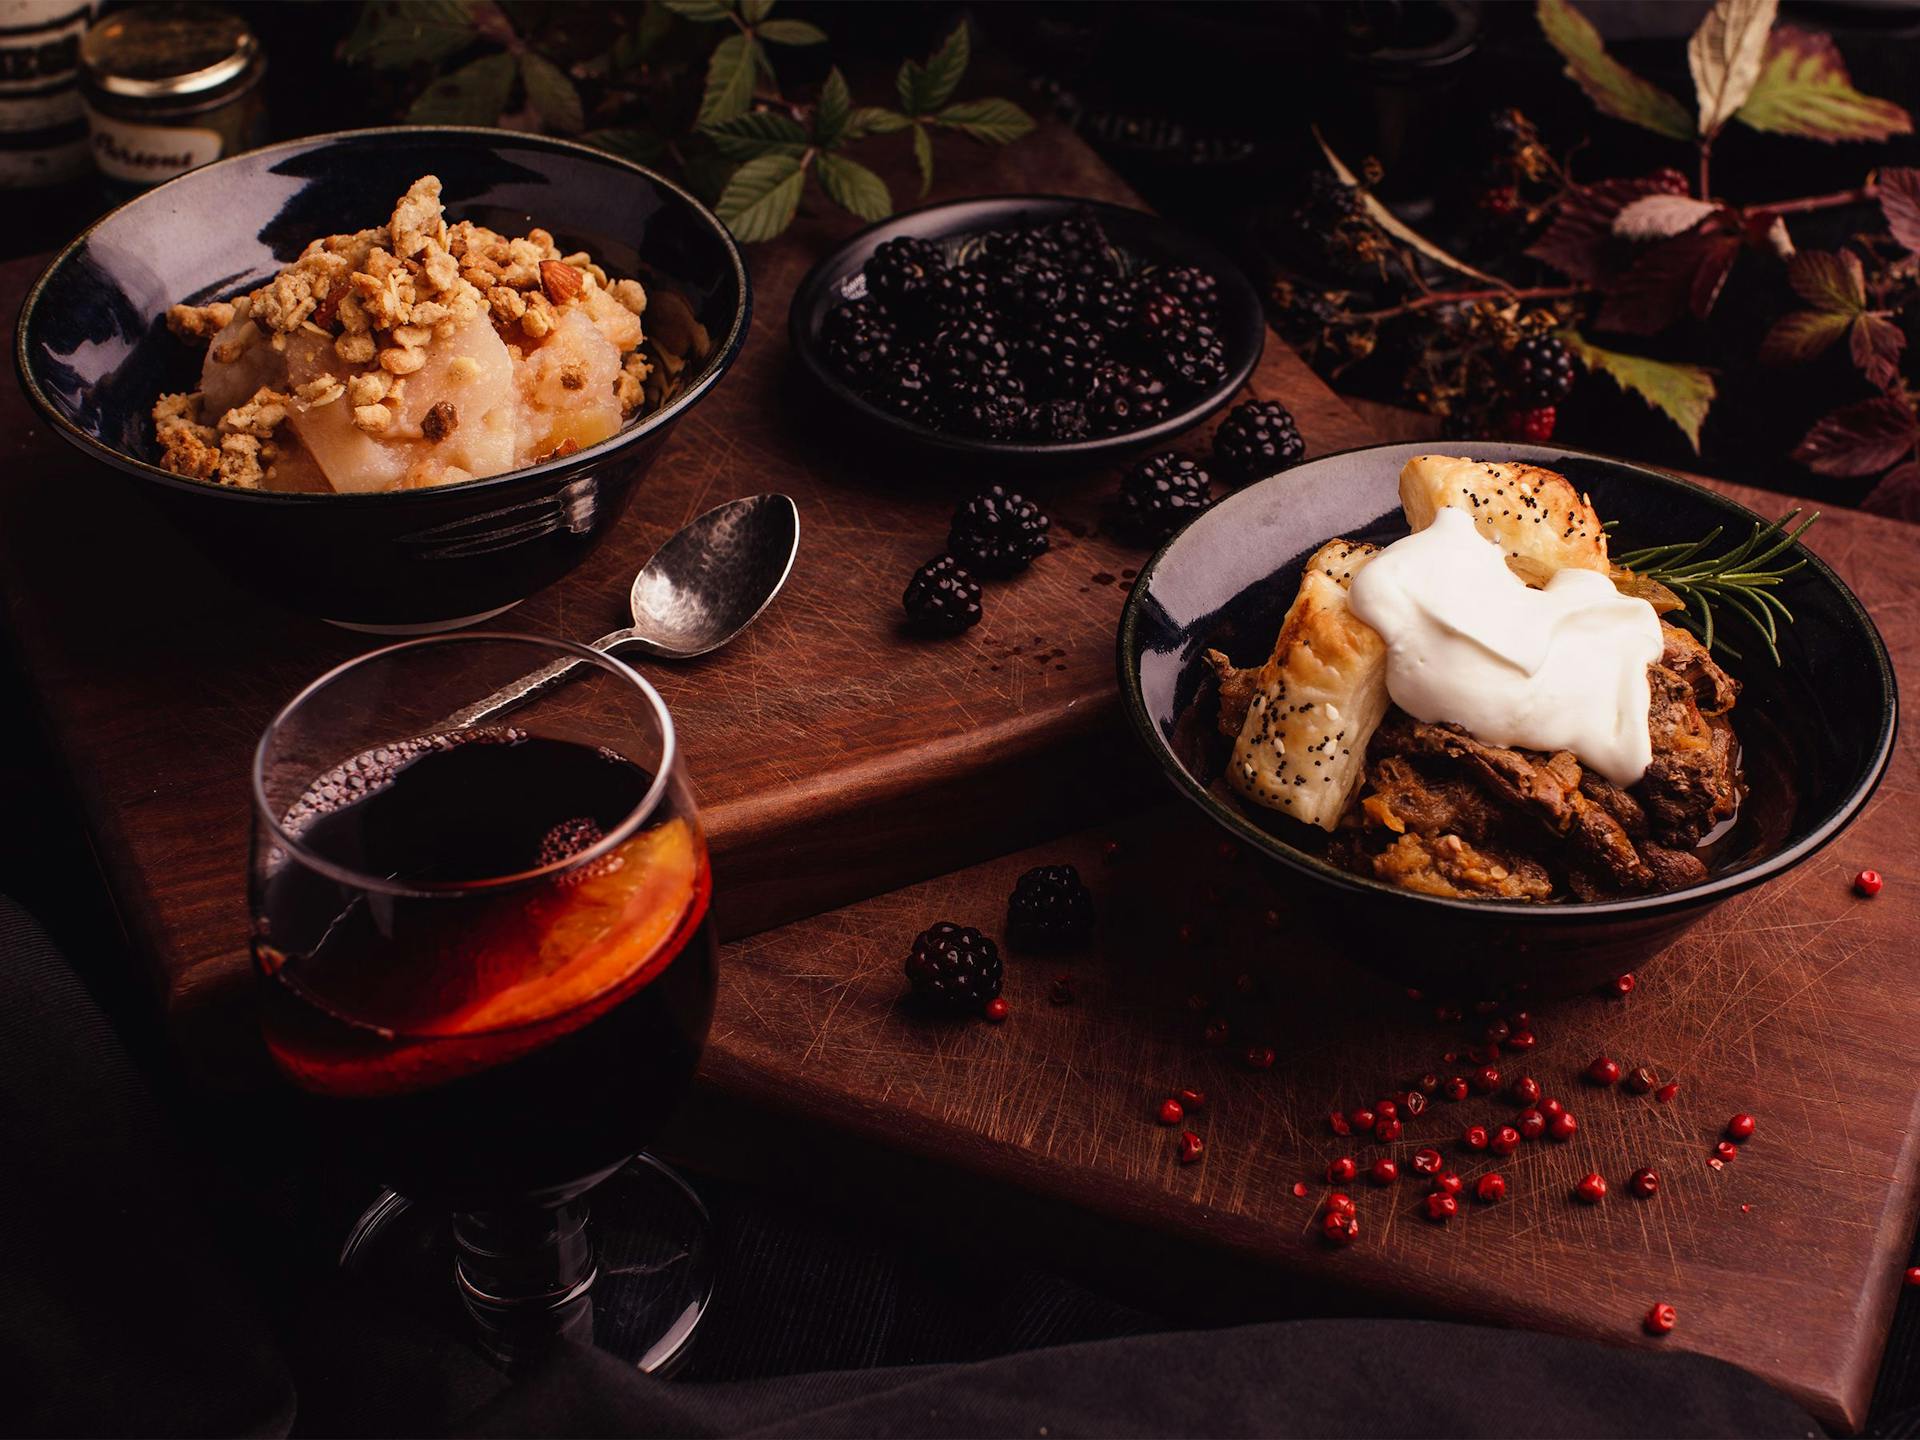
(1660, 1319)
(1191, 1147)
(1868, 882)
(1383, 1172)
(997, 1010)
(1526, 1090)
(1455, 1088)
(1386, 1131)
(1644, 1182)
(1530, 1123)
(1448, 1183)
(1667, 1091)
(1171, 1112)
(1342, 1227)
(1740, 1127)
(1441, 1207)
(1504, 1141)
(1603, 1071)
(1427, 1160)
(1474, 1137)
(1192, 1099)
(1342, 1170)
(1490, 1189)
(1641, 1080)
(1562, 1126)
(1591, 1188)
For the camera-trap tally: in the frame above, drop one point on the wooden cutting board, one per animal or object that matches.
(835, 755)
(1795, 1002)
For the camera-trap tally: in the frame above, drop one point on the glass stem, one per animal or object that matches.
(525, 1275)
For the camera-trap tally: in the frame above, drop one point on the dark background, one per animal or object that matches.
(1205, 108)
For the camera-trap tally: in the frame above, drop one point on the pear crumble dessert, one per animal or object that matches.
(412, 354)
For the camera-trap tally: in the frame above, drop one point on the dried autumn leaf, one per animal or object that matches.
(1581, 237)
(1899, 191)
(1859, 439)
(1724, 56)
(1616, 90)
(1897, 494)
(1683, 393)
(1829, 281)
(1655, 217)
(1676, 277)
(1394, 225)
(1875, 343)
(1802, 335)
(1804, 89)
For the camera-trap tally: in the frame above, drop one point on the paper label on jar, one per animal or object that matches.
(148, 154)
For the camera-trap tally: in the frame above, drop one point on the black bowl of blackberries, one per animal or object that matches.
(1028, 326)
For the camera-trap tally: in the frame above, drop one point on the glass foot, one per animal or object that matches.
(653, 1249)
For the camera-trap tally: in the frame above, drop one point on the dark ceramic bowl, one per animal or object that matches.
(93, 353)
(1141, 240)
(1816, 731)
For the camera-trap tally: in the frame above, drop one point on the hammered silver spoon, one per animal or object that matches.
(710, 581)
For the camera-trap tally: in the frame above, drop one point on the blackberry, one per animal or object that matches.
(859, 338)
(994, 409)
(1081, 241)
(953, 968)
(1050, 909)
(958, 294)
(1062, 420)
(905, 387)
(1162, 493)
(1061, 355)
(998, 533)
(943, 597)
(1157, 316)
(1196, 357)
(1258, 438)
(969, 353)
(901, 271)
(1541, 371)
(1030, 290)
(1123, 397)
(1193, 287)
(1107, 302)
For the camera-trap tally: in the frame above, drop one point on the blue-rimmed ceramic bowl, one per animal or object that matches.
(93, 354)
(1816, 730)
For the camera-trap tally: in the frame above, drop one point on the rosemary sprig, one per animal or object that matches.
(1739, 578)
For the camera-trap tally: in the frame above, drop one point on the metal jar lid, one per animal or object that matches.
(167, 51)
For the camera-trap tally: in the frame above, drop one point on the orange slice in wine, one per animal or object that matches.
(594, 931)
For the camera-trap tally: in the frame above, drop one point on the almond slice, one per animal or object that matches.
(560, 280)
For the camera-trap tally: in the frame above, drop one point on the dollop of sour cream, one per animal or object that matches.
(1470, 643)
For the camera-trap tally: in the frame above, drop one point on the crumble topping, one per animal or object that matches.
(357, 314)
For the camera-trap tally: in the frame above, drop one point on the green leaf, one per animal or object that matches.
(552, 93)
(852, 186)
(1724, 57)
(1804, 90)
(729, 80)
(475, 94)
(754, 11)
(833, 110)
(1392, 223)
(923, 158)
(998, 122)
(704, 12)
(945, 67)
(1683, 393)
(791, 32)
(758, 132)
(1801, 335)
(761, 198)
(643, 147)
(1616, 90)
(873, 120)
(392, 35)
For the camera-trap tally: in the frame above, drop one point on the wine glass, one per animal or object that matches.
(486, 965)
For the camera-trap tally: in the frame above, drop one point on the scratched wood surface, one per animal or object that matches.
(1794, 1002)
(835, 755)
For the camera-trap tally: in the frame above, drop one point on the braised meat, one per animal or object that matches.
(1446, 814)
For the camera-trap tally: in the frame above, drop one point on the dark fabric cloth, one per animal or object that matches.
(119, 1314)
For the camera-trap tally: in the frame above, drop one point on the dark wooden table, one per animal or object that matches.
(838, 760)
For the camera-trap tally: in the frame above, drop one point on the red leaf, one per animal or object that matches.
(1828, 281)
(1580, 238)
(1897, 494)
(1859, 439)
(1801, 335)
(1900, 198)
(1656, 217)
(1671, 279)
(1876, 343)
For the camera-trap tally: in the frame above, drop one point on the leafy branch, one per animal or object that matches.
(614, 75)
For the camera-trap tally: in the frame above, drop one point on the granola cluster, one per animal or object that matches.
(383, 298)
